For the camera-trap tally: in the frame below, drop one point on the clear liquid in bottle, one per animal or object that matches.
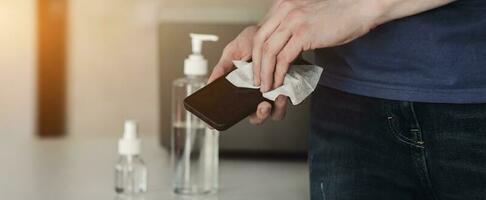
(194, 147)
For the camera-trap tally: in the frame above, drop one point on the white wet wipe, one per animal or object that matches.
(299, 82)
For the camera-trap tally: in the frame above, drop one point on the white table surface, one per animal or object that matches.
(83, 168)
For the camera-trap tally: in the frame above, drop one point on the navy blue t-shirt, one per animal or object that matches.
(437, 56)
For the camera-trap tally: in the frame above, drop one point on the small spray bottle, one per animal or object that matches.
(194, 147)
(130, 171)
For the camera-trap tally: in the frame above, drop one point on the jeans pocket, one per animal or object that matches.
(399, 132)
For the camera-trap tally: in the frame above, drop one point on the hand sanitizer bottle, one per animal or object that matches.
(194, 147)
(130, 171)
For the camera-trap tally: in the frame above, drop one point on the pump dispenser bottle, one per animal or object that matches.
(130, 171)
(194, 147)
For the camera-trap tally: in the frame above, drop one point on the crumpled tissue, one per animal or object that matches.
(299, 82)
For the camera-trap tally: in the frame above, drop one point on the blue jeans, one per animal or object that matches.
(367, 148)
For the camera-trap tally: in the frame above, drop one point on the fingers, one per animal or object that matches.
(263, 112)
(280, 48)
(224, 64)
(288, 53)
(238, 49)
(265, 30)
(270, 50)
(280, 108)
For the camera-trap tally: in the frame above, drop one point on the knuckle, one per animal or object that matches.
(281, 29)
(283, 58)
(287, 4)
(281, 103)
(258, 38)
(296, 15)
(301, 30)
(268, 49)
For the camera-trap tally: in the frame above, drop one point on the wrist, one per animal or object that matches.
(383, 11)
(376, 12)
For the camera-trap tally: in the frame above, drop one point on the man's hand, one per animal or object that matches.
(293, 26)
(240, 49)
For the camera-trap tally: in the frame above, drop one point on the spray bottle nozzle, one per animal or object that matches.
(129, 144)
(198, 39)
(130, 130)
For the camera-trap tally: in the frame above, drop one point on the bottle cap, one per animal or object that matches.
(130, 143)
(196, 64)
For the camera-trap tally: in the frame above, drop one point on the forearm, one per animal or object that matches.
(388, 10)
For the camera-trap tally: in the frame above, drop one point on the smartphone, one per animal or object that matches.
(221, 104)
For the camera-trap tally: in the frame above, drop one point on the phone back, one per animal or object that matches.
(221, 104)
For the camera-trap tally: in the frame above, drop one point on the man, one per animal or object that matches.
(398, 112)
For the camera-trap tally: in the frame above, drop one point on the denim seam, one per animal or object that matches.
(424, 168)
(421, 155)
(421, 173)
(417, 130)
(398, 135)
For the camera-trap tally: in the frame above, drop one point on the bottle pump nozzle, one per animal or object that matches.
(198, 39)
(195, 64)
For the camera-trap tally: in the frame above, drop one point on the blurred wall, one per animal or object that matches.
(17, 68)
(213, 11)
(113, 66)
(112, 59)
